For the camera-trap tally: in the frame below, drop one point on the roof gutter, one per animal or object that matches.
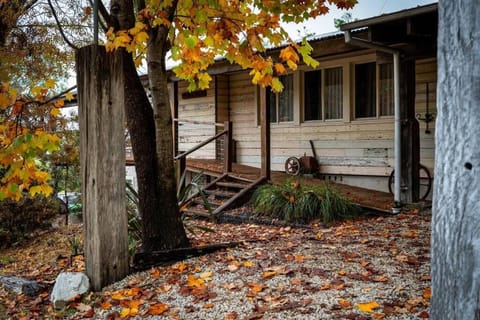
(396, 105)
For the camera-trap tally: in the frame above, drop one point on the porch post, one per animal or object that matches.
(410, 148)
(227, 147)
(264, 134)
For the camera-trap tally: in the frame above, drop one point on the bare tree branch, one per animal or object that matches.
(60, 26)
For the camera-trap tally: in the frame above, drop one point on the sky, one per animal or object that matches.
(362, 10)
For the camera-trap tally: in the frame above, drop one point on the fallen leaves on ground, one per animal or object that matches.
(370, 268)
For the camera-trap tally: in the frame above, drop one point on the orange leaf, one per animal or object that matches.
(208, 306)
(155, 273)
(59, 103)
(158, 308)
(256, 287)
(269, 274)
(427, 293)
(368, 306)
(105, 305)
(346, 304)
(299, 257)
(195, 282)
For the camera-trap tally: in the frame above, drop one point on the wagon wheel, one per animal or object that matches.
(292, 166)
(425, 182)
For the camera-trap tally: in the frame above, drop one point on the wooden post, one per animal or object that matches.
(175, 117)
(100, 82)
(410, 181)
(265, 134)
(228, 144)
(181, 167)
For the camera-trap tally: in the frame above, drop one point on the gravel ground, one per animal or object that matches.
(372, 268)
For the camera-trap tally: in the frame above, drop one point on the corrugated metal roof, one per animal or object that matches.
(388, 17)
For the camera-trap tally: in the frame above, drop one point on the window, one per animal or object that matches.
(323, 89)
(386, 89)
(333, 93)
(366, 90)
(281, 104)
(313, 96)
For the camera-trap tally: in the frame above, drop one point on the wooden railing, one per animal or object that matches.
(227, 147)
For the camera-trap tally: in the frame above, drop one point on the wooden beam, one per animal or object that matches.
(100, 81)
(410, 181)
(265, 134)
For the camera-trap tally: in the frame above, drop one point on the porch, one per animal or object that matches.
(366, 198)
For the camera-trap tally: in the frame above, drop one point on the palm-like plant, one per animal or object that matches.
(293, 202)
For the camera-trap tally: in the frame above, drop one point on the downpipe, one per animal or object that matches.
(396, 106)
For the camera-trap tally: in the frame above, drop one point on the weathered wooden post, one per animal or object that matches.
(228, 144)
(100, 80)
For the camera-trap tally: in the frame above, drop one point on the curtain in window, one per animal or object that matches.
(313, 95)
(386, 89)
(285, 99)
(365, 89)
(333, 93)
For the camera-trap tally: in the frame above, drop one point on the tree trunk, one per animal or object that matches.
(172, 234)
(162, 227)
(456, 208)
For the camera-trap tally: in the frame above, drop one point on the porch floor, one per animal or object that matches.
(377, 200)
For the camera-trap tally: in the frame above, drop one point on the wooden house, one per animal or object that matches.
(345, 107)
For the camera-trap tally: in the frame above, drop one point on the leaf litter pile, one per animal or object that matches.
(369, 268)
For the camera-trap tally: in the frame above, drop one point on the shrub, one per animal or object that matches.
(293, 202)
(17, 219)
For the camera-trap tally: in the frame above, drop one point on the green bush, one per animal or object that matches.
(17, 219)
(293, 202)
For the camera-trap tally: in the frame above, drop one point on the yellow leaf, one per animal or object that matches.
(368, 306)
(4, 100)
(139, 26)
(292, 65)
(69, 96)
(55, 112)
(125, 312)
(248, 264)
(141, 37)
(46, 189)
(34, 190)
(36, 91)
(50, 84)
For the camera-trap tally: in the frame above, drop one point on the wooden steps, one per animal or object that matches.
(222, 193)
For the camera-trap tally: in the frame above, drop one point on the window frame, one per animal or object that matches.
(277, 102)
(378, 110)
(323, 94)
